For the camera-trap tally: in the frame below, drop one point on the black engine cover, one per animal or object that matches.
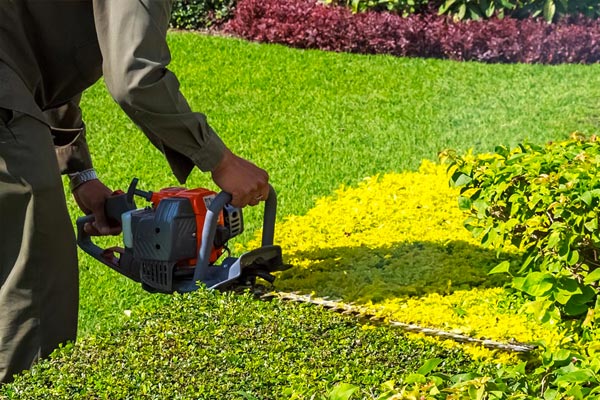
(165, 234)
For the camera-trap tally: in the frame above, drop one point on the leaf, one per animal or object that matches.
(573, 257)
(464, 203)
(587, 198)
(501, 268)
(551, 394)
(554, 239)
(342, 391)
(540, 309)
(518, 282)
(569, 284)
(561, 355)
(538, 284)
(564, 249)
(573, 309)
(429, 366)
(592, 276)
(578, 376)
(507, 4)
(462, 10)
(587, 295)
(464, 377)
(515, 158)
(566, 289)
(446, 6)
(460, 178)
(415, 378)
(592, 226)
(481, 206)
(549, 10)
(474, 12)
(487, 240)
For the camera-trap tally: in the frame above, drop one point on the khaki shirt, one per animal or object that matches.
(52, 50)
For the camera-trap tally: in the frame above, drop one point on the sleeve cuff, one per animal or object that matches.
(72, 150)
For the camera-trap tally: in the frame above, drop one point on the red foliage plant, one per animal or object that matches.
(312, 25)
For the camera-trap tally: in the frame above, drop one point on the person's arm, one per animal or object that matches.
(73, 156)
(132, 37)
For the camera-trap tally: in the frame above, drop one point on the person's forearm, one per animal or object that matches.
(132, 38)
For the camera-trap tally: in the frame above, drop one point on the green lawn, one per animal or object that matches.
(318, 120)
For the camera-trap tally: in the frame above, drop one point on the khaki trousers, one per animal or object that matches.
(38, 255)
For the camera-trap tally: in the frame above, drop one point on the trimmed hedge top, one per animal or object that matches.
(208, 344)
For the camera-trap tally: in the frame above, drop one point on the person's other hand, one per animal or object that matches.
(247, 183)
(91, 197)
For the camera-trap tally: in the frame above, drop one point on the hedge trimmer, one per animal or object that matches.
(174, 245)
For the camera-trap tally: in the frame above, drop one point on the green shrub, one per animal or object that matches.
(562, 374)
(201, 14)
(550, 10)
(544, 200)
(478, 9)
(211, 345)
(402, 7)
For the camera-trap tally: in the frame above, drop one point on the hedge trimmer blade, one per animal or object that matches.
(364, 314)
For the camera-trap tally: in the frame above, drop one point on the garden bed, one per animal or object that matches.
(311, 24)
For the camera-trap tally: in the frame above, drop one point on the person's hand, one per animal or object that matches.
(247, 183)
(90, 198)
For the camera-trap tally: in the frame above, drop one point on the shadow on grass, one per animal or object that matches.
(362, 274)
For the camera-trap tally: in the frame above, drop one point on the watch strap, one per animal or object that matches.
(82, 177)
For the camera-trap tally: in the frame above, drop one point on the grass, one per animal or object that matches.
(319, 120)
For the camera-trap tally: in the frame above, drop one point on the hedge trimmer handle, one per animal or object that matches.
(210, 227)
(114, 207)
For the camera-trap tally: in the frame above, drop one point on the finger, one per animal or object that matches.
(259, 196)
(264, 195)
(102, 227)
(237, 201)
(101, 222)
(113, 230)
(90, 229)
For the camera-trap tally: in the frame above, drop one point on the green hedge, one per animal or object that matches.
(226, 346)
(201, 14)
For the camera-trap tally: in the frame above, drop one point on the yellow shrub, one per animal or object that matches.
(396, 244)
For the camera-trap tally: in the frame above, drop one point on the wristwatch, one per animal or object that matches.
(82, 177)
